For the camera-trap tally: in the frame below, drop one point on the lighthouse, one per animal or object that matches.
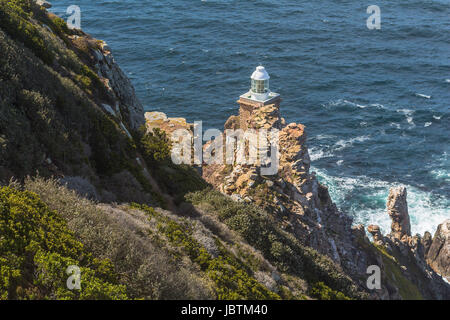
(260, 84)
(258, 96)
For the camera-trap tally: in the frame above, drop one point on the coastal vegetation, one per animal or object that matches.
(36, 247)
(283, 250)
(153, 254)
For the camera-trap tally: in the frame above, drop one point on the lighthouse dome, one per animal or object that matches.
(260, 74)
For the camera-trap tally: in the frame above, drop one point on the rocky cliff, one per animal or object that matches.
(437, 250)
(303, 207)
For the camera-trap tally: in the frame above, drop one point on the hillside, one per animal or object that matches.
(87, 181)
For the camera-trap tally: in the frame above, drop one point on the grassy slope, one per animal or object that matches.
(36, 247)
(160, 255)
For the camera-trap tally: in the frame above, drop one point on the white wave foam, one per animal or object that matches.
(355, 104)
(342, 144)
(377, 105)
(437, 117)
(332, 103)
(408, 115)
(426, 212)
(316, 154)
(423, 95)
(442, 172)
(427, 124)
(447, 80)
(324, 136)
(339, 102)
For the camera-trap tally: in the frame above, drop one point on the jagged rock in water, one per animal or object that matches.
(397, 208)
(438, 255)
(409, 254)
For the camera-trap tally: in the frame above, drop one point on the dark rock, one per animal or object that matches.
(426, 241)
(438, 255)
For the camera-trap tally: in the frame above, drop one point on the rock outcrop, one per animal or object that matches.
(44, 4)
(411, 252)
(119, 87)
(438, 253)
(397, 209)
(303, 206)
(160, 120)
(375, 231)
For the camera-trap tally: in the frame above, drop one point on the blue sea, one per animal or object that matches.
(376, 103)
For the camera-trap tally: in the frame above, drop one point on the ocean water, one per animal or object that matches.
(376, 103)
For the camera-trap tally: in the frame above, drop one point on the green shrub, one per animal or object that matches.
(13, 20)
(232, 280)
(322, 292)
(394, 275)
(142, 263)
(21, 7)
(36, 247)
(60, 26)
(178, 180)
(84, 81)
(282, 249)
(155, 146)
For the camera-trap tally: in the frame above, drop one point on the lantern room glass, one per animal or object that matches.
(260, 86)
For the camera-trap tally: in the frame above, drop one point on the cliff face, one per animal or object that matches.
(127, 105)
(302, 204)
(304, 207)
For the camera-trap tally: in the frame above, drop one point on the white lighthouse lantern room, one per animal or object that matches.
(260, 84)
(259, 94)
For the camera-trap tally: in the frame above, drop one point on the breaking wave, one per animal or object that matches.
(364, 199)
(342, 144)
